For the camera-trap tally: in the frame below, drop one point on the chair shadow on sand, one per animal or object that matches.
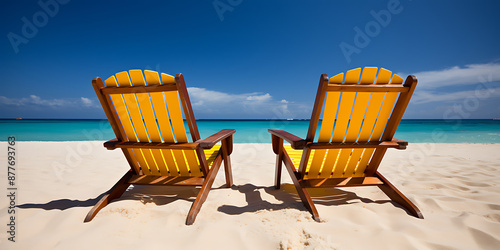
(287, 194)
(159, 195)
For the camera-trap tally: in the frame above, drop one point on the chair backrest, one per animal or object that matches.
(355, 108)
(145, 108)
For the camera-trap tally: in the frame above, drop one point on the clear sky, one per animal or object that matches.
(248, 58)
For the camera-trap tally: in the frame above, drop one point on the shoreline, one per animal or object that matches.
(254, 131)
(454, 185)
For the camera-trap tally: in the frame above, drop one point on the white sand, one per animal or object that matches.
(456, 186)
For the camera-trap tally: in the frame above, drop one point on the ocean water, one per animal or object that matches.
(253, 131)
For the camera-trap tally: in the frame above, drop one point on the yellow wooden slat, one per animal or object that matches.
(121, 111)
(167, 79)
(311, 156)
(331, 158)
(396, 79)
(158, 166)
(316, 163)
(368, 75)
(174, 110)
(341, 163)
(295, 155)
(372, 112)
(141, 158)
(160, 109)
(358, 113)
(145, 106)
(337, 79)
(124, 120)
(149, 119)
(320, 157)
(363, 162)
(180, 164)
(148, 166)
(327, 158)
(342, 120)
(357, 118)
(180, 159)
(193, 163)
(384, 76)
(354, 159)
(366, 131)
(170, 162)
(211, 154)
(345, 108)
(185, 160)
(353, 131)
(343, 117)
(385, 110)
(380, 124)
(329, 114)
(352, 76)
(133, 107)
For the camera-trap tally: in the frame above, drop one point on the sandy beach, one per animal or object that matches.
(456, 186)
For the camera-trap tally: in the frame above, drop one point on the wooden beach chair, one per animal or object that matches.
(361, 112)
(145, 114)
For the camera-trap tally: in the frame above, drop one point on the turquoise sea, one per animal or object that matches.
(253, 131)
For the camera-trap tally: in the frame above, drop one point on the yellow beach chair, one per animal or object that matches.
(145, 114)
(361, 112)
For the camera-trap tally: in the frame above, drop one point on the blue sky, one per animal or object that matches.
(248, 59)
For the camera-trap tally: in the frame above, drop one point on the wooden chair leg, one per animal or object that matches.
(228, 170)
(202, 195)
(278, 150)
(279, 162)
(115, 192)
(306, 199)
(396, 195)
(227, 164)
(302, 191)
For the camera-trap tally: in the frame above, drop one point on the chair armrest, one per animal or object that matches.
(210, 141)
(111, 144)
(295, 141)
(402, 144)
(397, 144)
